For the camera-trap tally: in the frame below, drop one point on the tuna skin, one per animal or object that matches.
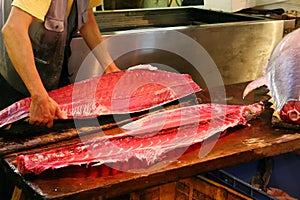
(282, 77)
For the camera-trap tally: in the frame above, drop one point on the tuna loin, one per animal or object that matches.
(143, 144)
(115, 93)
(282, 77)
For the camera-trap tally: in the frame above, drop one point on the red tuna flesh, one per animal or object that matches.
(115, 93)
(290, 113)
(141, 144)
(282, 77)
(183, 116)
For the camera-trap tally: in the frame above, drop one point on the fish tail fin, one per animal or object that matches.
(254, 84)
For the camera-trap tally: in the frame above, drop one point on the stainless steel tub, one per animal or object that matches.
(238, 45)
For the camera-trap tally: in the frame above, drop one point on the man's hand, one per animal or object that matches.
(112, 68)
(43, 110)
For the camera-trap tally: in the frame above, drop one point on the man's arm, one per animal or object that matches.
(43, 109)
(92, 36)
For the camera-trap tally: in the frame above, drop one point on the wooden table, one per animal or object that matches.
(241, 145)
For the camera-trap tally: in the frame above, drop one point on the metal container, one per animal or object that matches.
(178, 39)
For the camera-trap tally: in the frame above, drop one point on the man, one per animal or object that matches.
(37, 36)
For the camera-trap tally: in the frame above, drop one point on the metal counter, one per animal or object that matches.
(239, 45)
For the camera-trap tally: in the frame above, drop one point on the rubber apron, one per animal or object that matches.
(50, 41)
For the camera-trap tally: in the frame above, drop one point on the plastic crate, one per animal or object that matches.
(238, 185)
(284, 176)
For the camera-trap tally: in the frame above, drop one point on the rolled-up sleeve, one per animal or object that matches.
(36, 8)
(95, 3)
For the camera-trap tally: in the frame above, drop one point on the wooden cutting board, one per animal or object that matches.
(241, 145)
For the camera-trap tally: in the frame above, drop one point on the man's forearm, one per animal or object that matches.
(92, 36)
(19, 49)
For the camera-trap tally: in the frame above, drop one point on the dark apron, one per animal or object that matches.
(51, 47)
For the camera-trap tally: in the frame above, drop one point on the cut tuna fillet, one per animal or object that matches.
(146, 144)
(115, 93)
(184, 116)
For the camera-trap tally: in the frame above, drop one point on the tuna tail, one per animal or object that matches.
(262, 81)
